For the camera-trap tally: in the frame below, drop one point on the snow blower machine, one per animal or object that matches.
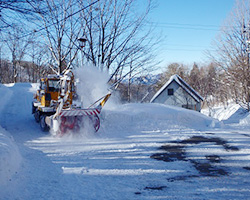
(54, 107)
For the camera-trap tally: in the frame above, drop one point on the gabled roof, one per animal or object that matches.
(182, 84)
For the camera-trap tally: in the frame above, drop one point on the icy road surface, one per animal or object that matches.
(142, 151)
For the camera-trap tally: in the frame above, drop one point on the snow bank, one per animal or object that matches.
(245, 121)
(231, 114)
(10, 157)
(221, 112)
(5, 93)
(9, 154)
(152, 116)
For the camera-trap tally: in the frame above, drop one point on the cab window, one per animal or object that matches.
(54, 85)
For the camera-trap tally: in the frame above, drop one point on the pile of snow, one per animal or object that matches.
(9, 154)
(153, 117)
(221, 112)
(10, 157)
(5, 93)
(230, 114)
(245, 121)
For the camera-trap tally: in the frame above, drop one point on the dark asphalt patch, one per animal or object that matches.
(176, 151)
(246, 168)
(216, 140)
(155, 188)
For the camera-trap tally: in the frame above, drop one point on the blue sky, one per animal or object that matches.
(189, 27)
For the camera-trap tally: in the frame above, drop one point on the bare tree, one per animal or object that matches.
(232, 53)
(60, 31)
(38, 56)
(14, 10)
(172, 69)
(5, 71)
(18, 49)
(114, 29)
(116, 36)
(194, 79)
(15, 14)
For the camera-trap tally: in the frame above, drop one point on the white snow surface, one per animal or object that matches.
(116, 163)
(10, 157)
(232, 113)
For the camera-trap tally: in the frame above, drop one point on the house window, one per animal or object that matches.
(170, 92)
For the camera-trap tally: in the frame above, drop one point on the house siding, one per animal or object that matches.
(163, 97)
(180, 98)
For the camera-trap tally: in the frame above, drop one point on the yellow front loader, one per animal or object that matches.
(54, 109)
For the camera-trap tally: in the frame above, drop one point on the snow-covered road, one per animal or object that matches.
(142, 151)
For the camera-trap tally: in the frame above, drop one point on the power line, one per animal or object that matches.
(190, 50)
(201, 27)
(184, 27)
(184, 45)
(183, 24)
(43, 28)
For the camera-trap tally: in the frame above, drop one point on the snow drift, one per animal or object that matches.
(153, 117)
(9, 154)
(10, 157)
(230, 114)
(5, 95)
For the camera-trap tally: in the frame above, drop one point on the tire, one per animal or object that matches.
(37, 115)
(44, 127)
(33, 108)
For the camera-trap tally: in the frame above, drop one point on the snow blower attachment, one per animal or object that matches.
(53, 106)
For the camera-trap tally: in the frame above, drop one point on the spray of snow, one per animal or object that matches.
(86, 132)
(92, 84)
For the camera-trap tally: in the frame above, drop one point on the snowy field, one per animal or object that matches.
(142, 151)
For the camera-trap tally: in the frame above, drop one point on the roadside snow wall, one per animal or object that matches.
(153, 117)
(10, 157)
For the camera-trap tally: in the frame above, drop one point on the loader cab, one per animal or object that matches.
(55, 87)
(49, 90)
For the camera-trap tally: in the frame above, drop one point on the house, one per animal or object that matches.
(177, 92)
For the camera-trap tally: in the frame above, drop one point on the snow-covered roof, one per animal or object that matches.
(182, 84)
